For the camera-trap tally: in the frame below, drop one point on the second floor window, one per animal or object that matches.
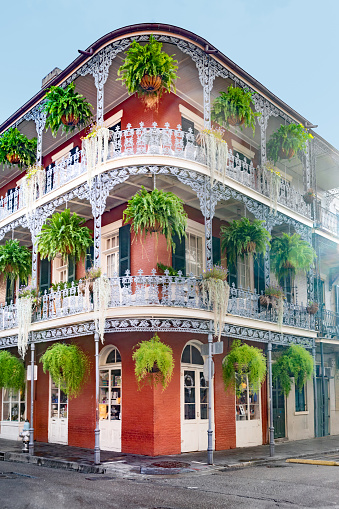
(61, 270)
(194, 254)
(112, 254)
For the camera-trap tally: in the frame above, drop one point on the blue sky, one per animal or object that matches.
(290, 46)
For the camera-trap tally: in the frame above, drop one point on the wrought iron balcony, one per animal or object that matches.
(327, 324)
(153, 290)
(327, 220)
(164, 142)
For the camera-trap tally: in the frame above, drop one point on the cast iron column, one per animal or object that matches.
(316, 432)
(210, 378)
(31, 429)
(97, 429)
(270, 397)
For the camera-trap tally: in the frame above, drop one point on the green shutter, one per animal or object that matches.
(71, 269)
(89, 262)
(45, 275)
(124, 249)
(232, 275)
(216, 253)
(259, 273)
(9, 290)
(179, 256)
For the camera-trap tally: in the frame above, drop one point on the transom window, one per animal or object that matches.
(191, 355)
(13, 405)
(112, 254)
(194, 254)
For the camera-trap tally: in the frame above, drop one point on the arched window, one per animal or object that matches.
(191, 355)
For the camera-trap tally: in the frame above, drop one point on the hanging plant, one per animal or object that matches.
(296, 362)
(286, 141)
(33, 185)
(234, 108)
(312, 307)
(15, 261)
(64, 234)
(67, 108)
(216, 151)
(101, 297)
(17, 149)
(243, 360)
(156, 212)
(243, 237)
(148, 71)
(290, 254)
(68, 366)
(215, 293)
(12, 372)
(309, 196)
(95, 145)
(153, 362)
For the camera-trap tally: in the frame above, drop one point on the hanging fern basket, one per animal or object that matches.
(284, 154)
(236, 120)
(13, 158)
(70, 120)
(150, 83)
(12, 371)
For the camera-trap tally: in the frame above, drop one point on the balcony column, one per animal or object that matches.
(97, 425)
(267, 261)
(35, 221)
(206, 76)
(208, 202)
(316, 431)
(307, 167)
(266, 110)
(270, 397)
(97, 197)
(39, 117)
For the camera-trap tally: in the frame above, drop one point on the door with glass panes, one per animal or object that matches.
(194, 401)
(58, 415)
(110, 400)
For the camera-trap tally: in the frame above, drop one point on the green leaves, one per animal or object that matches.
(64, 102)
(12, 142)
(295, 362)
(148, 59)
(289, 254)
(156, 212)
(63, 233)
(15, 261)
(242, 236)
(241, 361)
(12, 371)
(149, 353)
(287, 137)
(68, 366)
(236, 102)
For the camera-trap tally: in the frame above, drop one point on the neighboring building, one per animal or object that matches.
(161, 146)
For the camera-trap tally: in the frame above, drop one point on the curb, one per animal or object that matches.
(313, 462)
(53, 463)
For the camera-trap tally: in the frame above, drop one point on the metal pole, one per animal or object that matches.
(31, 429)
(97, 429)
(316, 431)
(210, 394)
(323, 388)
(270, 397)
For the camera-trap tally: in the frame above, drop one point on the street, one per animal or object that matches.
(276, 485)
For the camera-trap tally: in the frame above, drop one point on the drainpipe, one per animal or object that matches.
(97, 429)
(31, 429)
(316, 431)
(270, 397)
(322, 386)
(210, 429)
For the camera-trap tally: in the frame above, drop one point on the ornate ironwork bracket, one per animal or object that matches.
(39, 118)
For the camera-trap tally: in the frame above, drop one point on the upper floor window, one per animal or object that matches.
(60, 272)
(194, 254)
(111, 253)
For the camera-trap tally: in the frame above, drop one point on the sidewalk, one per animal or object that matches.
(120, 464)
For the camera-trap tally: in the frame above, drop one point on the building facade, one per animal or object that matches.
(161, 148)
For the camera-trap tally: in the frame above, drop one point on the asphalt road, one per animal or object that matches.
(277, 485)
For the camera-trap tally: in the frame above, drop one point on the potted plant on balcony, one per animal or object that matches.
(234, 108)
(67, 108)
(312, 307)
(154, 362)
(12, 371)
(243, 361)
(309, 196)
(216, 150)
(68, 366)
(148, 71)
(215, 293)
(16, 148)
(156, 212)
(296, 362)
(290, 254)
(242, 237)
(64, 234)
(286, 141)
(15, 261)
(271, 297)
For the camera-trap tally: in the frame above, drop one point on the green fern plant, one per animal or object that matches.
(15, 261)
(66, 108)
(17, 149)
(68, 366)
(64, 234)
(234, 104)
(242, 237)
(296, 362)
(148, 60)
(153, 362)
(156, 212)
(290, 254)
(286, 141)
(241, 361)
(12, 371)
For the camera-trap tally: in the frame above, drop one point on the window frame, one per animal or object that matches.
(109, 231)
(198, 230)
(21, 400)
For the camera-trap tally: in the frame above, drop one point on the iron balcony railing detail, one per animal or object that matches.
(327, 220)
(165, 142)
(154, 290)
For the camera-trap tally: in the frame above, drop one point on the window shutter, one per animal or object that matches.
(216, 253)
(71, 269)
(45, 275)
(124, 249)
(232, 277)
(9, 291)
(179, 257)
(89, 261)
(259, 273)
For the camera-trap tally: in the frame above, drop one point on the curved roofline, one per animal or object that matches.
(151, 27)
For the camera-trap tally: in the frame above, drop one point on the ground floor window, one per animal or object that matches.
(13, 405)
(247, 403)
(300, 400)
(110, 387)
